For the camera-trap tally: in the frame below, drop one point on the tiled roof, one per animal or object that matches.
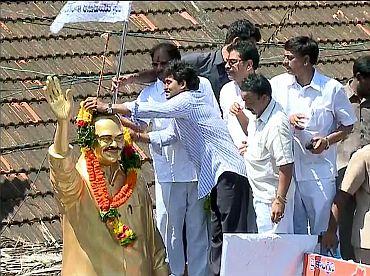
(29, 52)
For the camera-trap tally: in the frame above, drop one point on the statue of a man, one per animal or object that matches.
(108, 227)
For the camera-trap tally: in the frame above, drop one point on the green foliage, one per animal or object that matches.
(207, 204)
(111, 213)
(86, 136)
(131, 160)
(128, 240)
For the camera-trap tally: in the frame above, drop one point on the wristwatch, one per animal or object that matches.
(110, 109)
(327, 143)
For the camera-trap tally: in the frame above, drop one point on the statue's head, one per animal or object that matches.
(109, 139)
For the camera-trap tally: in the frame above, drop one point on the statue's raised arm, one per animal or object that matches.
(61, 103)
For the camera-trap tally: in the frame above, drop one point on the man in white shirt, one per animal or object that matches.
(269, 157)
(176, 183)
(242, 60)
(320, 115)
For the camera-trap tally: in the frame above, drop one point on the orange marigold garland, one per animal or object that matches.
(130, 163)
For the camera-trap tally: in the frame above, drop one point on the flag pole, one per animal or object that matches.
(120, 59)
(74, 11)
(103, 63)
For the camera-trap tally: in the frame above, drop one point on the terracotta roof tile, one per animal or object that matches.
(27, 46)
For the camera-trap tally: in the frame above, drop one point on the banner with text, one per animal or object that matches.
(88, 11)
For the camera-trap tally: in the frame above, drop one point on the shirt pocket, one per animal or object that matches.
(258, 151)
(259, 161)
(132, 214)
(321, 120)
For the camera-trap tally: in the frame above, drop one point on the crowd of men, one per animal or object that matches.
(264, 154)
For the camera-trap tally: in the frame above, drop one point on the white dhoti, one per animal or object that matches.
(312, 205)
(177, 203)
(263, 215)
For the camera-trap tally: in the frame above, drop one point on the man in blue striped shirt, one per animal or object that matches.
(221, 169)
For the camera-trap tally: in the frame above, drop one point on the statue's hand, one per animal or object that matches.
(61, 103)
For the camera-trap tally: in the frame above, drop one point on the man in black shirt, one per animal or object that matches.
(210, 65)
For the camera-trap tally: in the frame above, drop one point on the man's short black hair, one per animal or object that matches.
(170, 48)
(303, 45)
(244, 29)
(258, 84)
(182, 71)
(247, 51)
(362, 66)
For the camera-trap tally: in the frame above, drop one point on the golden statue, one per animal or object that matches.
(108, 226)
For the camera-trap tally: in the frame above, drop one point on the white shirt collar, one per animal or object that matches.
(314, 84)
(161, 83)
(267, 112)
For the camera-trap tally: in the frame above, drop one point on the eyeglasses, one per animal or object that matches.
(233, 61)
(109, 139)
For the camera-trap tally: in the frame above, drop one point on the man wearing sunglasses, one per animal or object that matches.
(242, 60)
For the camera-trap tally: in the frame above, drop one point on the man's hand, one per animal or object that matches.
(61, 103)
(139, 137)
(243, 148)
(319, 145)
(95, 105)
(123, 80)
(134, 135)
(298, 120)
(329, 240)
(277, 211)
(126, 122)
(235, 109)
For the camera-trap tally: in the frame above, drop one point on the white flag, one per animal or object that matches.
(85, 11)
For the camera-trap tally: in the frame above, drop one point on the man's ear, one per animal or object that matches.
(306, 60)
(249, 63)
(236, 40)
(358, 76)
(266, 98)
(183, 85)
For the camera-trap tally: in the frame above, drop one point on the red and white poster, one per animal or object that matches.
(317, 265)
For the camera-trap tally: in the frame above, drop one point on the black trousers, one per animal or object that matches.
(346, 222)
(229, 209)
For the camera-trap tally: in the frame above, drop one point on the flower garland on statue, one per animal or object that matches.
(130, 162)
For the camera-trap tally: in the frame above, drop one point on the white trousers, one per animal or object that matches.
(263, 215)
(177, 203)
(312, 205)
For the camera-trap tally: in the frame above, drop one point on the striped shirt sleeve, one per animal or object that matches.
(176, 107)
